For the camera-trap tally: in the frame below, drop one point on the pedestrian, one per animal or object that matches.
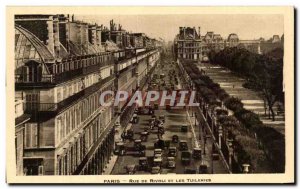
(123, 136)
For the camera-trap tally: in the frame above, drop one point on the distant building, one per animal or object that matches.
(232, 40)
(212, 41)
(188, 43)
(137, 40)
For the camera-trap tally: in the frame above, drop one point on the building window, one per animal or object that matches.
(31, 135)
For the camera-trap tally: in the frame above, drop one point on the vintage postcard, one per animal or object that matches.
(148, 95)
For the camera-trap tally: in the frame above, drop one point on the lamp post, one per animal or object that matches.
(212, 160)
(212, 124)
(206, 110)
(230, 146)
(220, 135)
(204, 138)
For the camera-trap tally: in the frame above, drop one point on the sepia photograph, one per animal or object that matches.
(148, 95)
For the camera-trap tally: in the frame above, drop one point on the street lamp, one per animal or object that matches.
(220, 135)
(230, 146)
(204, 138)
(212, 160)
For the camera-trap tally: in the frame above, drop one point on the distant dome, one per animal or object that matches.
(233, 36)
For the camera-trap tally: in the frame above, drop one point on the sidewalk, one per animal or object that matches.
(213, 166)
(110, 165)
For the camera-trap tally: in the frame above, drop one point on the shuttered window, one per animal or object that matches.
(31, 135)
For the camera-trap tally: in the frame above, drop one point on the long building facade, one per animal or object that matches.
(191, 45)
(61, 68)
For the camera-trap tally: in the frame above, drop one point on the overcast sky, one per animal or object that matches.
(167, 26)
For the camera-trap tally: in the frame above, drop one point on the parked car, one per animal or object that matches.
(215, 153)
(157, 162)
(203, 169)
(175, 138)
(155, 170)
(171, 163)
(137, 144)
(135, 118)
(120, 148)
(162, 118)
(172, 152)
(157, 151)
(130, 169)
(143, 163)
(197, 153)
(157, 156)
(186, 157)
(184, 128)
(190, 170)
(159, 144)
(183, 145)
(144, 136)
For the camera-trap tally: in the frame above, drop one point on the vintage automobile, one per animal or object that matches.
(137, 144)
(197, 152)
(171, 163)
(175, 138)
(120, 148)
(155, 170)
(186, 157)
(142, 152)
(157, 151)
(162, 118)
(130, 169)
(190, 170)
(151, 111)
(159, 144)
(203, 169)
(136, 111)
(157, 162)
(184, 128)
(215, 153)
(135, 118)
(128, 134)
(144, 136)
(143, 164)
(142, 111)
(215, 156)
(161, 130)
(183, 145)
(172, 152)
(157, 156)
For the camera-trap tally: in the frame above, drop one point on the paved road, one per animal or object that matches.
(174, 119)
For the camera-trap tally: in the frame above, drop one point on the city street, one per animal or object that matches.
(174, 120)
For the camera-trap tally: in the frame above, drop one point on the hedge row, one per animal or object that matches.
(270, 140)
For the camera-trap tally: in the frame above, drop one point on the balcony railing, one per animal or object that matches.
(23, 78)
(58, 77)
(56, 107)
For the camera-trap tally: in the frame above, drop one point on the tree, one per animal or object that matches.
(268, 77)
